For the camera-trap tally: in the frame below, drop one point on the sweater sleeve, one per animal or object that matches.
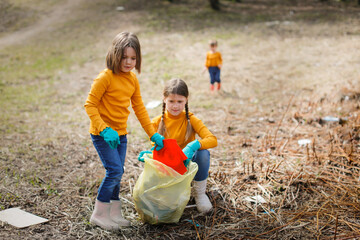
(156, 122)
(220, 59)
(208, 140)
(97, 90)
(207, 62)
(140, 110)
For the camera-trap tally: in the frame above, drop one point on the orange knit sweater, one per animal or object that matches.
(109, 99)
(176, 129)
(213, 59)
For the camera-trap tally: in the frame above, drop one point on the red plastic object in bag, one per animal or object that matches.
(171, 155)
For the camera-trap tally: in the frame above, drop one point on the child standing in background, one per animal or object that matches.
(213, 64)
(107, 106)
(176, 122)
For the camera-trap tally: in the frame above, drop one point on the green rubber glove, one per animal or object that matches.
(190, 150)
(158, 140)
(141, 155)
(111, 137)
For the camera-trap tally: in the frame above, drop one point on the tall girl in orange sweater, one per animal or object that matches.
(178, 123)
(107, 106)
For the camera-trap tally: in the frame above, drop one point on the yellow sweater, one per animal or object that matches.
(213, 59)
(109, 99)
(176, 129)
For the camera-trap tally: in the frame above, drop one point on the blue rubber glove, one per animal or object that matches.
(158, 140)
(111, 137)
(186, 162)
(190, 150)
(141, 155)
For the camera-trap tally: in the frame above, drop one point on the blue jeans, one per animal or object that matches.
(113, 161)
(202, 158)
(214, 74)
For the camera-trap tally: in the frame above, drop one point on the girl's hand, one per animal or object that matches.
(158, 140)
(141, 155)
(191, 148)
(111, 137)
(203, 71)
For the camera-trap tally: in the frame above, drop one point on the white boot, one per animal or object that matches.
(116, 215)
(203, 203)
(101, 216)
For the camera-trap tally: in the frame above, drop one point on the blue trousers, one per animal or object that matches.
(113, 161)
(214, 74)
(202, 158)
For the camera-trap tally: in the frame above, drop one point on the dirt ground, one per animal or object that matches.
(287, 65)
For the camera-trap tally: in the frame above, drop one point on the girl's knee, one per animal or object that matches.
(115, 173)
(204, 153)
(202, 157)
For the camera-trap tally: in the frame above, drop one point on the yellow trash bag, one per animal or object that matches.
(161, 194)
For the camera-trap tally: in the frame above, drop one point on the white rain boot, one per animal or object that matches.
(101, 216)
(203, 203)
(116, 215)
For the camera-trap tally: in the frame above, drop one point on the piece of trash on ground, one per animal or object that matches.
(264, 190)
(271, 210)
(20, 218)
(330, 119)
(190, 221)
(304, 142)
(256, 199)
(153, 104)
(191, 206)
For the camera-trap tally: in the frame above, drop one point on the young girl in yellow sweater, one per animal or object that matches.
(214, 64)
(107, 106)
(176, 122)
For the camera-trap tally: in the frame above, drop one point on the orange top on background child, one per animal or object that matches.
(213, 64)
(107, 107)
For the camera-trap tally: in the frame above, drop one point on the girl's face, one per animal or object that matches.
(128, 60)
(175, 104)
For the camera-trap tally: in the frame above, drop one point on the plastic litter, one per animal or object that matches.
(304, 142)
(191, 221)
(330, 119)
(171, 155)
(256, 199)
(271, 210)
(161, 193)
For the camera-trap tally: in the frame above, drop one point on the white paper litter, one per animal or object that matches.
(330, 119)
(304, 142)
(20, 218)
(191, 206)
(264, 190)
(256, 199)
(153, 104)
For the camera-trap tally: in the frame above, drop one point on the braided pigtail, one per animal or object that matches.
(189, 128)
(162, 127)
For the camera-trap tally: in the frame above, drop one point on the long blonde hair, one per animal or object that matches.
(179, 87)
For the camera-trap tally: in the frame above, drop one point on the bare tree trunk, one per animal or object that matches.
(215, 4)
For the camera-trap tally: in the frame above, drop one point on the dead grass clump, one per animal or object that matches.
(300, 191)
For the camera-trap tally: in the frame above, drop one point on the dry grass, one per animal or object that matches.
(282, 73)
